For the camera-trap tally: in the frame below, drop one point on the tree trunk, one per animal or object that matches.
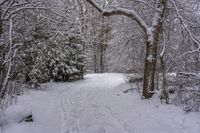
(1, 54)
(95, 63)
(152, 37)
(149, 69)
(101, 67)
(164, 93)
(1, 23)
(7, 66)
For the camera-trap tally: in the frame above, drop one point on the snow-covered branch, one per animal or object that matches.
(13, 6)
(121, 11)
(23, 8)
(182, 21)
(3, 2)
(52, 20)
(190, 74)
(149, 5)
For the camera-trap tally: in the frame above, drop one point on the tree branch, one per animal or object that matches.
(182, 22)
(146, 3)
(3, 2)
(23, 8)
(121, 11)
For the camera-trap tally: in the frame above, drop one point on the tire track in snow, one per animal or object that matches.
(82, 107)
(69, 112)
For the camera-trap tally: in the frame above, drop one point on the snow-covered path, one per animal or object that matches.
(85, 109)
(97, 104)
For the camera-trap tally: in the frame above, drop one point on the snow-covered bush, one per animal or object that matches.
(57, 57)
(186, 89)
(59, 60)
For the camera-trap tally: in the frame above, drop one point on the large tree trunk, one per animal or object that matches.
(150, 63)
(164, 93)
(152, 38)
(1, 54)
(149, 69)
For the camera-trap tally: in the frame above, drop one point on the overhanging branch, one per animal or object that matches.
(121, 11)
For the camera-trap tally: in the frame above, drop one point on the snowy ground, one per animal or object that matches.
(98, 105)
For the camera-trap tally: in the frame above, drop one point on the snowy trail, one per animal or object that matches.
(97, 104)
(82, 110)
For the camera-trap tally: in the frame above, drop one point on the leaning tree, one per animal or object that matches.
(151, 32)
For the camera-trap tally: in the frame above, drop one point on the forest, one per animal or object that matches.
(74, 49)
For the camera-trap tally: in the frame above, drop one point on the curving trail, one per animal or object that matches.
(97, 104)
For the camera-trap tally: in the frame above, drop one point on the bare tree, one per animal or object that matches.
(151, 35)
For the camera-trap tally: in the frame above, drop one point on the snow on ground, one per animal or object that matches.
(97, 104)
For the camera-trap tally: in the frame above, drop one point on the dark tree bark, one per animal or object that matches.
(164, 93)
(1, 53)
(1, 23)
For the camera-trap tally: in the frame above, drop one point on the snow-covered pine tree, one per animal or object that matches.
(57, 57)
